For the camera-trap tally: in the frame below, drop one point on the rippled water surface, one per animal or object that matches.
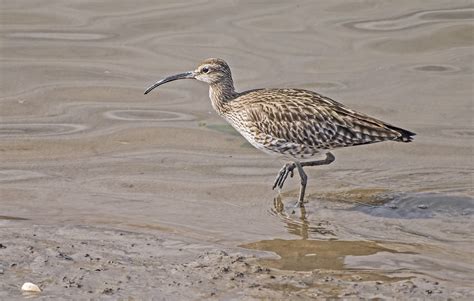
(80, 143)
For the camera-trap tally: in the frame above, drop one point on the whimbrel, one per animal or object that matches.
(297, 124)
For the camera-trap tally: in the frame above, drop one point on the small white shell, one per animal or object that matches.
(30, 287)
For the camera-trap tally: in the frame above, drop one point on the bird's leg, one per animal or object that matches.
(286, 170)
(304, 180)
(329, 159)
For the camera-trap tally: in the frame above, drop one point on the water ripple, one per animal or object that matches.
(466, 133)
(441, 39)
(148, 115)
(12, 175)
(298, 223)
(413, 20)
(435, 68)
(13, 130)
(73, 36)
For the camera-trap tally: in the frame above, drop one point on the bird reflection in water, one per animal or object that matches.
(296, 220)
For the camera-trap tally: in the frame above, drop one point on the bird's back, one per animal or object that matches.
(300, 123)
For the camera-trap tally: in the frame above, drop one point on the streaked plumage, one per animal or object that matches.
(294, 123)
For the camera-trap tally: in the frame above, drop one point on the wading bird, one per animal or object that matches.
(297, 124)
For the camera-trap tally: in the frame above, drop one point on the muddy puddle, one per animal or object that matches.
(308, 255)
(82, 149)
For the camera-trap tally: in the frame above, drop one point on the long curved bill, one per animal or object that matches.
(185, 75)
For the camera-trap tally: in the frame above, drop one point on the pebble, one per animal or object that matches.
(30, 287)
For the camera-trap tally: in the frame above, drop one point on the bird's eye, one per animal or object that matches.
(205, 70)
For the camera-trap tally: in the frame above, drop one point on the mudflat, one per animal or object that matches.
(107, 193)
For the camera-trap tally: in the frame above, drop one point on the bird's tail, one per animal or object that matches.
(405, 135)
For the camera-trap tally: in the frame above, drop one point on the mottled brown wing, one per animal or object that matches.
(309, 119)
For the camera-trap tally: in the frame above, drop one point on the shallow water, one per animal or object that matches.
(80, 143)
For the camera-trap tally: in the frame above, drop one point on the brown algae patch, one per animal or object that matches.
(368, 196)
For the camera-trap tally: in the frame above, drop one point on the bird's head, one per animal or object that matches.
(211, 71)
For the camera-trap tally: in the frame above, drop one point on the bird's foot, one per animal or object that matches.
(286, 170)
(300, 204)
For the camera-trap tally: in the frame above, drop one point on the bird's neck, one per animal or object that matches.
(221, 94)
